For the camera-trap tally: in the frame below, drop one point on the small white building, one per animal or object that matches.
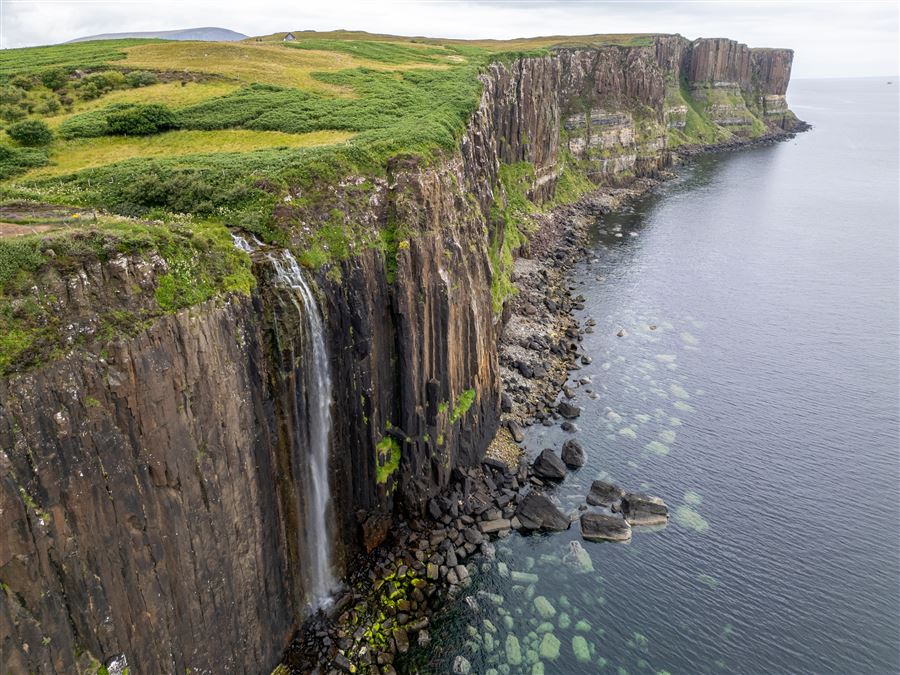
(289, 37)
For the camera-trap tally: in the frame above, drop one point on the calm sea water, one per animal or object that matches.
(763, 409)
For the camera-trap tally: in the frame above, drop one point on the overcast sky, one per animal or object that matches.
(831, 39)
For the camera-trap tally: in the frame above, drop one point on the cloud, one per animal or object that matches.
(829, 38)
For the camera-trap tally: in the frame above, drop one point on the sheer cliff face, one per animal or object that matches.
(148, 490)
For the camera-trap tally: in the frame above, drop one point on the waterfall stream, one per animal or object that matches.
(314, 370)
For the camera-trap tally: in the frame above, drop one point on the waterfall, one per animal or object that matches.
(246, 246)
(317, 415)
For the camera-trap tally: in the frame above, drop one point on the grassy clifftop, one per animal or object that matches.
(156, 146)
(342, 100)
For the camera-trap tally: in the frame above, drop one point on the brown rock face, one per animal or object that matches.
(149, 493)
(719, 60)
(139, 505)
(772, 70)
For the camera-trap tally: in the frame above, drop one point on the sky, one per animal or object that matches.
(830, 39)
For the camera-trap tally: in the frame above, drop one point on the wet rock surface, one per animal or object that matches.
(601, 527)
(572, 454)
(604, 494)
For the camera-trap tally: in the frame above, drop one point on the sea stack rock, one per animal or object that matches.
(549, 466)
(640, 509)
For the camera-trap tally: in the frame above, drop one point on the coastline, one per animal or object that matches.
(391, 592)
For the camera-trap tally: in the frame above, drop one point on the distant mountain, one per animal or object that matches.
(207, 34)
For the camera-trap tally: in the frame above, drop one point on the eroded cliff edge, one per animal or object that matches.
(148, 483)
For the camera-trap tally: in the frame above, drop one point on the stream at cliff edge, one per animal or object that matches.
(762, 408)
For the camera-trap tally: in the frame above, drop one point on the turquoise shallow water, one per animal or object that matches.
(763, 409)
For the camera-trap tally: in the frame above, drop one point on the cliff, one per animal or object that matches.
(149, 482)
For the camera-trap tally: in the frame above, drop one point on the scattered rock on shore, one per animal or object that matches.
(537, 512)
(549, 466)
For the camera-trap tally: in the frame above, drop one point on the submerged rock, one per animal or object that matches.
(544, 608)
(604, 494)
(513, 651)
(580, 649)
(549, 648)
(549, 466)
(601, 527)
(578, 558)
(537, 512)
(461, 666)
(573, 454)
(641, 509)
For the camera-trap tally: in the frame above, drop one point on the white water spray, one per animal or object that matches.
(318, 417)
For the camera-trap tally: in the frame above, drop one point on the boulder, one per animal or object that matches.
(641, 509)
(604, 494)
(549, 466)
(600, 527)
(573, 454)
(568, 410)
(494, 526)
(537, 512)
(516, 431)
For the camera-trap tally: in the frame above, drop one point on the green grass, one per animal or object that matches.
(379, 51)
(78, 154)
(68, 56)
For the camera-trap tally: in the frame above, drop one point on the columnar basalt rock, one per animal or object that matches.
(146, 485)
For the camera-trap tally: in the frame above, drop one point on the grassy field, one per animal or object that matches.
(85, 153)
(174, 94)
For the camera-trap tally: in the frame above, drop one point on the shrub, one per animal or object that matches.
(96, 84)
(10, 94)
(31, 133)
(141, 120)
(55, 79)
(25, 82)
(12, 113)
(140, 78)
(47, 105)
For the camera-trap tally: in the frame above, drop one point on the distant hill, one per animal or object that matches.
(207, 34)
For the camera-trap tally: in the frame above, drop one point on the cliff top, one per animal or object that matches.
(183, 140)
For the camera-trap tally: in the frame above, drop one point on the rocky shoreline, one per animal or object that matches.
(385, 610)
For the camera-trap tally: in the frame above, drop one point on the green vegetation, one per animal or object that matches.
(463, 403)
(387, 459)
(140, 120)
(378, 51)
(30, 133)
(65, 57)
(15, 161)
(698, 129)
(510, 224)
(201, 259)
